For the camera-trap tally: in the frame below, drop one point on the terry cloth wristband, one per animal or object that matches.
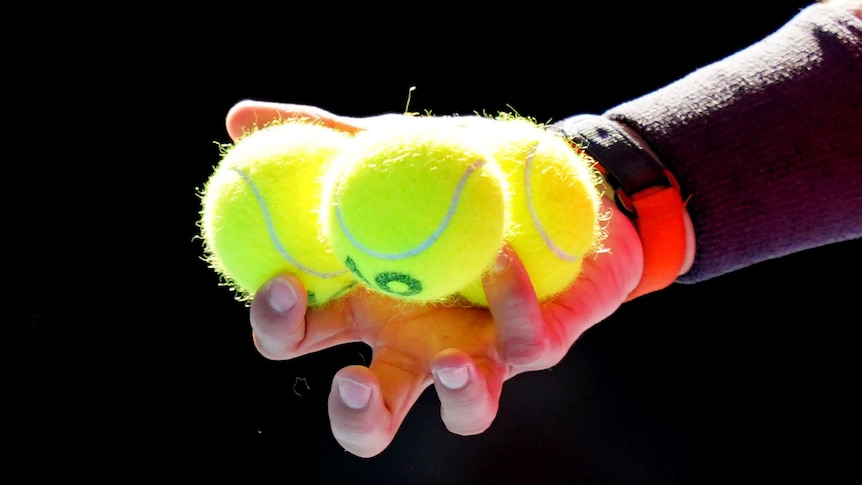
(643, 189)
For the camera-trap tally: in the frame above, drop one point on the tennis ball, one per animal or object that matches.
(416, 209)
(554, 203)
(259, 215)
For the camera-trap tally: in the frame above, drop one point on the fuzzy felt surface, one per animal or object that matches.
(417, 210)
(553, 207)
(260, 211)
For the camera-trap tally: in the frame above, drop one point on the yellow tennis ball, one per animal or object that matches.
(416, 209)
(260, 211)
(554, 203)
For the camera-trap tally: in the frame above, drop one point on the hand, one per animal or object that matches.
(467, 353)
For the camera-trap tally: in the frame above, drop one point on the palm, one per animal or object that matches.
(410, 336)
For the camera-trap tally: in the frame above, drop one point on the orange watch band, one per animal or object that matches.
(660, 223)
(643, 189)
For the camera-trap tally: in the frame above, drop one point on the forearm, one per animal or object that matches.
(766, 143)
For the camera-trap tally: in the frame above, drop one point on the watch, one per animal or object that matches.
(644, 190)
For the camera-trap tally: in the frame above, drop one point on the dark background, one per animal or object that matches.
(126, 353)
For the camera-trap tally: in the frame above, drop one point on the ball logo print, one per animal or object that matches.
(394, 282)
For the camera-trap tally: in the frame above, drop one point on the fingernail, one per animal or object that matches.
(453, 377)
(502, 261)
(353, 394)
(281, 296)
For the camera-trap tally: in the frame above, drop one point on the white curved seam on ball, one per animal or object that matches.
(453, 205)
(270, 226)
(539, 227)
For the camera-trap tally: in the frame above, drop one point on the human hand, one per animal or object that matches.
(467, 353)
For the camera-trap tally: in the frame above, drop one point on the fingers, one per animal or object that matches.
(368, 405)
(469, 394)
(358, 416)
(523, 338)
(282, 329)
(247, 115)
(533, 336)
(277, 318)
(605, 281)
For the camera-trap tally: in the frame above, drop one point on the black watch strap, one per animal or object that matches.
(629, 167)
(643, 188)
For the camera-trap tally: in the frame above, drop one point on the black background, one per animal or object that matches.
(127, 355)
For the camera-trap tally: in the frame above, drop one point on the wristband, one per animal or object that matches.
(643, 189)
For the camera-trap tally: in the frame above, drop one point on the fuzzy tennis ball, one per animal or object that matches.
(259, 215)
(554, 203)
(416, 209)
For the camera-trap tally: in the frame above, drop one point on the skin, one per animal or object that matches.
(466, 353)
(853, 6)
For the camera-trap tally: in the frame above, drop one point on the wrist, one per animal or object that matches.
(644, 190)
(688, 256)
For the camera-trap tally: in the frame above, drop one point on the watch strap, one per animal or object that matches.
(643, 189)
